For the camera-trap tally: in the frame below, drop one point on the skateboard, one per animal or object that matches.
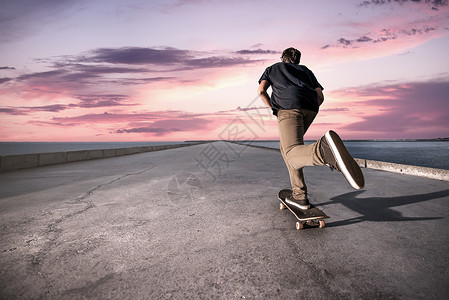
(313, 217)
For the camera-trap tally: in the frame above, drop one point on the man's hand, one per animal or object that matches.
(262, 92)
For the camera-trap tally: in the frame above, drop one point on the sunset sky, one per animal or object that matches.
(136, 70)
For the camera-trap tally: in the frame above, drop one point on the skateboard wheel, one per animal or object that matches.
(299, 225)
(281, 206)
(322, 223)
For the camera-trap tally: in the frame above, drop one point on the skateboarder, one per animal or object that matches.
(295, 100)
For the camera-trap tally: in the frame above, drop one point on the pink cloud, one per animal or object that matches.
(248, 123)
(87, 101)
(157, 123)
(71, 95)
(109, 118)
(168, 126)
(117, 71)
(412, 110)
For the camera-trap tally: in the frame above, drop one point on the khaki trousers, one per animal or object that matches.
(293, 124)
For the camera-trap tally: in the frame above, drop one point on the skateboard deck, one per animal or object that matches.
(313, 217)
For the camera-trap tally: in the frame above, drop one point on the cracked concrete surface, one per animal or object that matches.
(203, 222)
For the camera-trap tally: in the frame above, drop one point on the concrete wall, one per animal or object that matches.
(433, 173)
(16, 162)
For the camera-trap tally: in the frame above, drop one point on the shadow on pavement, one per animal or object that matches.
(379, 209)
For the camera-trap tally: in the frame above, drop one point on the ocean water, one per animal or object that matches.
(432, 154)
(18, 148)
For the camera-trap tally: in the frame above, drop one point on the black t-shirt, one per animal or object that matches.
(293, 87)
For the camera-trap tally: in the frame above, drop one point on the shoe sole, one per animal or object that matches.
(301, 207)
(348, 166)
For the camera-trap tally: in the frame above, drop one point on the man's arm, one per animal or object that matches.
(262, 92)
(319, 91)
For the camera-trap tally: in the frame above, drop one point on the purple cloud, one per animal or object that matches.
(344, 41)
(167, 126)
(432, 3)
(105, 69)
(158, 131)
(91, 101)
(27, 110)
(5, 79)
(139, 56)
(414, 31)
(51, 124)
(364, 39)
(42, 75)
(105, 65)
(257, 51)
(87, 101)
(131, 118)
(158, 122)
(102, 69)
(383, 36)
(217, 62)
(11, 111)
(181, 59)
(50, 108)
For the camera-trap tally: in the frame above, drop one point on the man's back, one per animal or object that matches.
(294, 86)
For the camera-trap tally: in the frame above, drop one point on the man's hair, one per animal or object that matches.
(291, 55)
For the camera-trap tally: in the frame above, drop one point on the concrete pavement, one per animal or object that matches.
(203, 222)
